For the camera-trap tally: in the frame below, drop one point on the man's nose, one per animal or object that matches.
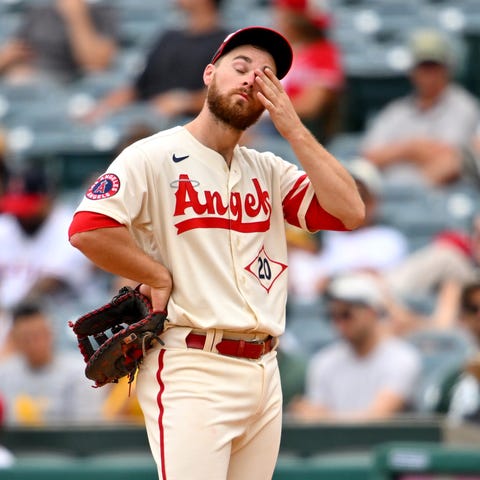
(249, 80)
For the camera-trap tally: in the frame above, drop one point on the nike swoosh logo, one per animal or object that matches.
(179, 159)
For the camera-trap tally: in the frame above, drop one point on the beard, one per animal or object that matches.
(238, 115)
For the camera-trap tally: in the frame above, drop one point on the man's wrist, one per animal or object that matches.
(298, 135)
(163, 278)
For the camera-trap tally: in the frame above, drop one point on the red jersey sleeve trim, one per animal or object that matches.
(85, 221)
(316, 217)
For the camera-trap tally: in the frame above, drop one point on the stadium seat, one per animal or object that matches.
(238, 16)
(367, 93)
(9, 23)
(274, 143)
(125, 457)
(46, 458)
(442, 352)
(425, 460)
(308, 324)
(421, 212)
(100, 84)
(139, 33)
(351, 466)
(345, 146)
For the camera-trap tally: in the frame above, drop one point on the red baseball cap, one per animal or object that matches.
(22, 205)
(26, 194)
(266, 38)
(314, 10)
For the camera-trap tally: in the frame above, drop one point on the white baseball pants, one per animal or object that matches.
(210, 416)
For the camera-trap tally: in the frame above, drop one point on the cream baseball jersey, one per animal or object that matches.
(220, 231)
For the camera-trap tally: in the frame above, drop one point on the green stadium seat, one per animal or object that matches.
(442, 353)
(398, 461)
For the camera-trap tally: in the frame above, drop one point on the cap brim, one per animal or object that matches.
(22, 205)
(266, 38)
(430, 60)
(350, 299)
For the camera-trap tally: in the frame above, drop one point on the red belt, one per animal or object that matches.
(234, 348)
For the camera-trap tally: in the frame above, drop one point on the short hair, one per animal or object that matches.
(26, 309)
(466, 294)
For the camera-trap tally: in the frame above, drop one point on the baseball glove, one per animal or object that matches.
(114, 338)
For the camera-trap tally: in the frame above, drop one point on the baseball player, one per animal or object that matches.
(199, 221)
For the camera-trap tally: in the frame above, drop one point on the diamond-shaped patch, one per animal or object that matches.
(265, 269)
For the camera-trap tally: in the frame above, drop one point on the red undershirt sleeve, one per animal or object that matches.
(85, 221)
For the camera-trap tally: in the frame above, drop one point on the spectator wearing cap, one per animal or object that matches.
(171, 80)
(36, 258)
(316, 79)
(366, 374)
(428, 128)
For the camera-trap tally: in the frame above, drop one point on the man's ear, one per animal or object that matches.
(208, 74)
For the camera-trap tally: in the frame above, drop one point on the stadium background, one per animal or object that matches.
(40, 125)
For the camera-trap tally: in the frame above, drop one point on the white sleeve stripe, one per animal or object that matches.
(302, 211)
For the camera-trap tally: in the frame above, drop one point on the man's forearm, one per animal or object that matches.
(92, 50)
(114, 250)
(334, 187)
(385, 155)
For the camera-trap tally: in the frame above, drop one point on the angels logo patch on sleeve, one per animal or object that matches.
(105, 186)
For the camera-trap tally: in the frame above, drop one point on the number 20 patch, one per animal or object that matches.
(265, 269)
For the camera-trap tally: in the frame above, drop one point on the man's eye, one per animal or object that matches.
(239, 68)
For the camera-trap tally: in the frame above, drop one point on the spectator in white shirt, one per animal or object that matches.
(365, 375)
(427, 129)
(35, 255)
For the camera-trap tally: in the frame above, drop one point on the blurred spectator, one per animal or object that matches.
(450, 256)
(36, 258)
(134, 132)
(470, 310)
(372, 247)
(172, 78)
(428, 128)
(465, 396)
(60, 40)
(438, 271)
(365, 375)
(304, 249)
(471, 159)
(40, 383)
(316, 79)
